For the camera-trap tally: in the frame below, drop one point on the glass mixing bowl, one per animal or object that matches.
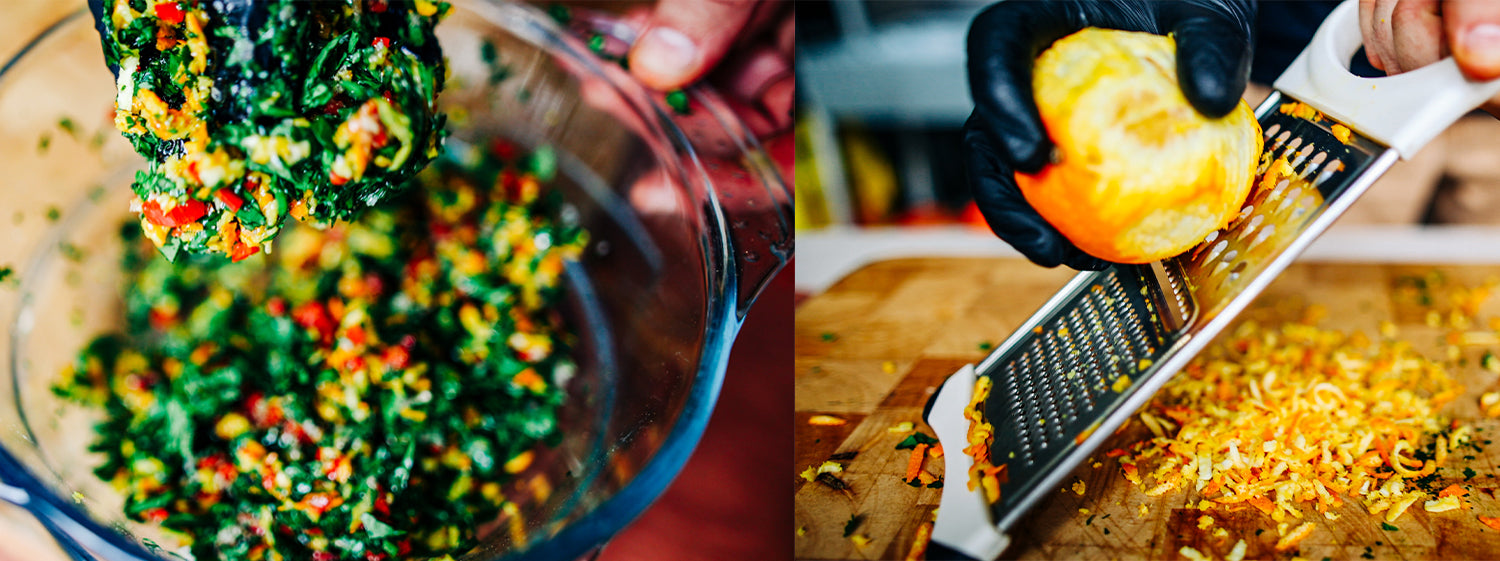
(688, 219)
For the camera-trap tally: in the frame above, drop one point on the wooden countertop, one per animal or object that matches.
(877, 343)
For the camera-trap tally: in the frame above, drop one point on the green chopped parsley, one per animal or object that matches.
(329, 109)
(369, 394)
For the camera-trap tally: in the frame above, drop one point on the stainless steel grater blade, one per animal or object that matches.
(1096, 352)
(1130, 327)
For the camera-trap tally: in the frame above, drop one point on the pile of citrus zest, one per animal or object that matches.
(1297, 419)
(983, 473)
(1079, 487)
(901, 428)
(860, 540)
(826, 421)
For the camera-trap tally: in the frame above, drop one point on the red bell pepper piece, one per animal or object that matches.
(169, 12)
(242, 251)
(231, 200)
(185, 213)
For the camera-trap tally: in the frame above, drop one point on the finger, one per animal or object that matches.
(1473, 29)
(1367, 32)
(1009, 216)
(1417, 34)
(766, 19)
(760, 78)
(1380, 36)
(685, 38)
(1213, 52)
(786, 37)
(1003, 43)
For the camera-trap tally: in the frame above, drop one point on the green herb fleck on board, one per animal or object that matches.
(68, 125)
(596, 44)
(678, 101)
(986, 345)
(829, 337)
(914, 439)
(6, 273)
(853, 524)
(53, 213)
(43, 142)
(71, 252)
(1106, 531)
(1469, 473)
(1090, 521)
(1388, 527)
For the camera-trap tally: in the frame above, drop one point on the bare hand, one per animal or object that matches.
(1404, 35)
(743, 47)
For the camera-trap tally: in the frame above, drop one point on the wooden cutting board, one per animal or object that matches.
(872, 349)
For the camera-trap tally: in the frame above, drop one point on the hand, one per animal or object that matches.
(1404, 35)
(1005, 133)
(743, 47)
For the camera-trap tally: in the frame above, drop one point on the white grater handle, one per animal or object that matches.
(963, 521)
(1404, 111)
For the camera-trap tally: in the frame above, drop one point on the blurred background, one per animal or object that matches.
(882, 98)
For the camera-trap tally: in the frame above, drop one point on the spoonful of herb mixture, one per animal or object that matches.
(250, 111)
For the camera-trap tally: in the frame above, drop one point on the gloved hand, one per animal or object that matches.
(1005, 133)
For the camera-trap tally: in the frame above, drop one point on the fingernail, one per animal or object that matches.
(666, 55)
(1482, 42)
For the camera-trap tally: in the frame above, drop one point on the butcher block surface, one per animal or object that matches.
(873, 348)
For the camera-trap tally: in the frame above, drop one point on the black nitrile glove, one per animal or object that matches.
(1005, 132)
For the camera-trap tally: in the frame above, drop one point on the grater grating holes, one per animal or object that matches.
(1087, 368)
(1054, 356)
(1222, 260)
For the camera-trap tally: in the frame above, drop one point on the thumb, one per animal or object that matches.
(1213, 52)
(685, 38)
(1474, 29)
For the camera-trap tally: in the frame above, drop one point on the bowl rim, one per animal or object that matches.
(591, 530)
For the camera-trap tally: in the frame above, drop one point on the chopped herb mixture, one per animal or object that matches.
(362, 396)
(249, 112)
